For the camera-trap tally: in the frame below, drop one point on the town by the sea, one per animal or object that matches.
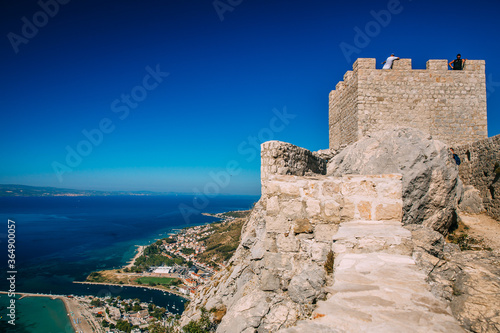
(63, 239)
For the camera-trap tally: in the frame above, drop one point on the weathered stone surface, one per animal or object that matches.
(480, 168)
(302, 226)
(472, 202)
(306, 287)
(431, 188)
(428, 239)
(269, 281)
(247, 313)
(286, 159)
(469, 281)
(277, 276)
(287, 243)
(325, 232)
(476, 301)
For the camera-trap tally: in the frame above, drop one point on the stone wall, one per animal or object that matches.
(478, 169)
(282, 158)
(324, 199)
(449, 105)
(277, 273)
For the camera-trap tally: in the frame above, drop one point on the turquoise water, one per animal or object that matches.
(36, 315)
(62, 239)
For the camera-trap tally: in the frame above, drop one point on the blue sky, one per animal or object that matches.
(177, 95)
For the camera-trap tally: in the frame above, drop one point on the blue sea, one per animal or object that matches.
(62, 239)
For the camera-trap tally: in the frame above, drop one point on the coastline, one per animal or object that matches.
(135, 286)
(73, 310)
(140, 251)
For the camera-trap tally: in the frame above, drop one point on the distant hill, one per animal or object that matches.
(12, 190)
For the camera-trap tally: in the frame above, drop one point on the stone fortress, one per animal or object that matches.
(449, 105)
(350, 239)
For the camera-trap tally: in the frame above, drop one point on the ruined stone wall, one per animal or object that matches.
(282, 158)
(449, 105)
(478, 169)
(324, 199)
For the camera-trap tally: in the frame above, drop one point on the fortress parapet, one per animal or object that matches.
(449, 105)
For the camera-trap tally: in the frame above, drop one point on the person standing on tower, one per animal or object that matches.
(457, 64)
(388, 62)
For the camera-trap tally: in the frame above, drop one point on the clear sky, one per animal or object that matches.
(177, 95)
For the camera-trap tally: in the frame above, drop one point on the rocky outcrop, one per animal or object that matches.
(471, 202)
(386, 277)
(481, 168)
(277, 274)
(468, 280)
(431, 187)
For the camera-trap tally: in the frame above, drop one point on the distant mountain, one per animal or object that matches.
(12, 190)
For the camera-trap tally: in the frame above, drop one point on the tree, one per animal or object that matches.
(137, 307)
(124, 326)
(96, 302)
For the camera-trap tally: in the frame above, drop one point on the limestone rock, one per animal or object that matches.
(431, 187)
(247, 314)
(476, 301)
(472, 202)
(326, 154)
(306, 286)
(428, 239)
(470, 281)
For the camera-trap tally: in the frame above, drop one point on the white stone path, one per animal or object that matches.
(377, 286)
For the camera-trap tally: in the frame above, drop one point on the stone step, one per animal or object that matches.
(379, 292)
(372, 236)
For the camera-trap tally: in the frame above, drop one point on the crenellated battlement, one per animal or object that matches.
(450, 105)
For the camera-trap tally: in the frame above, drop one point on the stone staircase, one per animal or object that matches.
(377, 286)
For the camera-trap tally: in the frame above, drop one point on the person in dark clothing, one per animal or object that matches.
(457, 64)
(455, 156)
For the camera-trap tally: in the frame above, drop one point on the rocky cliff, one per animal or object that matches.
(326, 247)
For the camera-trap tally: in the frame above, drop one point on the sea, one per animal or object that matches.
(59, 240)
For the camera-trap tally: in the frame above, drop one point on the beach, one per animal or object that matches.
(140, 250)
(75, 311)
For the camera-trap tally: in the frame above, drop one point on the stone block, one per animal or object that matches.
(302, 226)
(332, 210)
(437, 64)
(347, 210)
(277, 261)
(389, 211)
(287, 243)
(313, 207)
(365, 210)
(269, 281)
(402, 64)
(272, 205)
(358, 186)
(278, 224)
(292, 208)
(331, 189)
(325, 232)
(291, 189)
